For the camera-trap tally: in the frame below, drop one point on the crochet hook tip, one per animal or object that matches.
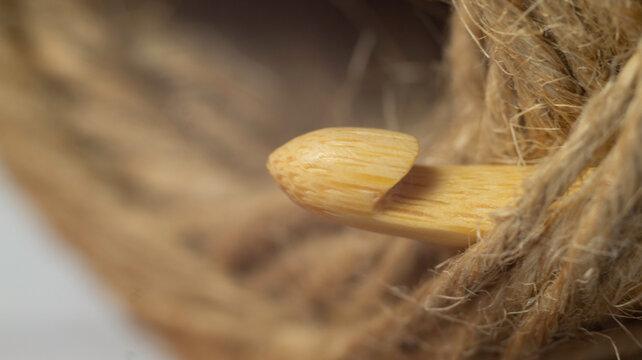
(342, 170)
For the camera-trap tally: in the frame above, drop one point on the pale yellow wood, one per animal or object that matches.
(365, 178)
(342, 170)
(446, 204)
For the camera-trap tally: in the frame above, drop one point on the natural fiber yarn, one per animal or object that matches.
(144, 141)
(543, 60)
(554, 263)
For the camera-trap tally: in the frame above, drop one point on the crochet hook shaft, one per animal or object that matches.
(366, 178)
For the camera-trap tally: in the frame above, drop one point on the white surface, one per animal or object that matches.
(51, 307)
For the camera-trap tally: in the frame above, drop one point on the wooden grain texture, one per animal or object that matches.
(365, 178)
(343, 170)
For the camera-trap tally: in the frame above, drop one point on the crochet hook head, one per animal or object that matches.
(342, 171)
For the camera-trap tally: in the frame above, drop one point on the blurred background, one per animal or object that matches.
(137, 131)
(52, 307)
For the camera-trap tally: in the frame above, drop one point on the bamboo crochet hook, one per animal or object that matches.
(365, 178)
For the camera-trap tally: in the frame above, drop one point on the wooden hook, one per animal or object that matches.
(366, 178)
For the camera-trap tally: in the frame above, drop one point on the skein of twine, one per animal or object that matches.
(518, 87)
(545, 272)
